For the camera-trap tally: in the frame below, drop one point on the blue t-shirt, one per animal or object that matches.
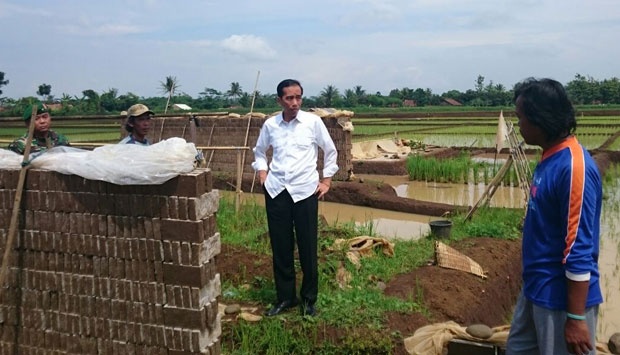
(562, 224)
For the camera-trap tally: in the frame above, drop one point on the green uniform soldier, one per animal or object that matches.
(43, 137)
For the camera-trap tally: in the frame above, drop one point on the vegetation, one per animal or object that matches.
(461, 169)
(583, 90)
(358, 310)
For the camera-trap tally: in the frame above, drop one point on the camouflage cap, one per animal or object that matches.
(137, 110)
(41, 108)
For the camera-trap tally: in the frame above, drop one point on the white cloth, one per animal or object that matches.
(295, 153)
(122, 164)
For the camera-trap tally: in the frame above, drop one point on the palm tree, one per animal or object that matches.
(2, 81)
(235, 91)
(168, 87)
(93, 99)
(329, 95)
(361, 94)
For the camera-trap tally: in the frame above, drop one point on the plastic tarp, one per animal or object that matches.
(121, 164)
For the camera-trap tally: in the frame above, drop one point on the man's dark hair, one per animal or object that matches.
(286, 83)
(129, 128)
(546, 104)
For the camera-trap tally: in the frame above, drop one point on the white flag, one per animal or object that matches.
(500, 137)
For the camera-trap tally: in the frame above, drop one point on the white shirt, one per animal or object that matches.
(295, 153)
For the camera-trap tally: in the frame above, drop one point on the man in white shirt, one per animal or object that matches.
(292, 187)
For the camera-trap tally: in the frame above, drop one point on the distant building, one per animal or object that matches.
(451, 102)
(409, 103)
(183, 107)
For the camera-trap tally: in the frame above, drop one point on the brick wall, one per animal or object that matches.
(227, 131)
(98, 268)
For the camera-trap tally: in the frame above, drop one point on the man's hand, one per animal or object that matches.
(577, 336)
(322, 188)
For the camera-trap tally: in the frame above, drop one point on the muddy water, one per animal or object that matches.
(392, 224)
(609, 311)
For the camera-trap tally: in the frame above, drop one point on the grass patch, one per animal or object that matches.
(357, 310)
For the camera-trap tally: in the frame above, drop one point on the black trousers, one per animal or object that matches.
(288, 221)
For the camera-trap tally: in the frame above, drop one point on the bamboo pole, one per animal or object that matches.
(247, 130)
(492, 187)
(17, 202)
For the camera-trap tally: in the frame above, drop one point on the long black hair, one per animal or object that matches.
(545, 103)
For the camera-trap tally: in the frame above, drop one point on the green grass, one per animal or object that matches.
(359, 309)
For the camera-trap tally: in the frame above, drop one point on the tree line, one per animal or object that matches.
(582, 90)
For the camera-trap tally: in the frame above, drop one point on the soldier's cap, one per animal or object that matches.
(41, 108)
(137, 110)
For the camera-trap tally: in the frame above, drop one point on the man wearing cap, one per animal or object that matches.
(138, 125)
(43, 137)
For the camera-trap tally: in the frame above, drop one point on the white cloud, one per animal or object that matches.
(249, 46)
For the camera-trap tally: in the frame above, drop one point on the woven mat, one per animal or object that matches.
(450, 258)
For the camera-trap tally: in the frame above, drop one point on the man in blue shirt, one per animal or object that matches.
(556, 312)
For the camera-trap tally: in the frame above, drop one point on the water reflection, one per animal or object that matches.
(454, 194)
(609, 311)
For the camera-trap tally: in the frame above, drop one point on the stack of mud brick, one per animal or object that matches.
(229, 131)
(99, 268)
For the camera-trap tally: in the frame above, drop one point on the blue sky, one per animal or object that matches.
(132, 45)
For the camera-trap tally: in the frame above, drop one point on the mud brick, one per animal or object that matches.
(209, 226)
(173, 207)
(61, 221)
(102, 225)
(168, 250)
(209, 249)
(182, 208)
(32, 179)
(88, 345)
(188, 185)
(92, 224)
(164, 209)
(122, 246)
(28, 219)
(105, 204)
(50, 200)
(31, 199)
(157, 228)
(9, 178)
(203, 206)
(119, 309)
(184, 318)
(158, 271)
(53, 263)
(137, 204)
(111, 226)
(152, 249)
(138, 230)
(193, 276)
(127, 221)
(186, 297)
(185, 253)
(74, 223)
(122, 205)
(140, 246)
(86, 284)
(118, 226)
(148, 228)
(188, 231)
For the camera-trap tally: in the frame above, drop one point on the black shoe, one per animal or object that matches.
(308, 310)
(280, 307)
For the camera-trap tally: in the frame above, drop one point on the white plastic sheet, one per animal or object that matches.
(122, 164)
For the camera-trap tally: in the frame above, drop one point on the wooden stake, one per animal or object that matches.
(17, 202)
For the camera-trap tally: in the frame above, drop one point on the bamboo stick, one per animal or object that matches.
(17, 202)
